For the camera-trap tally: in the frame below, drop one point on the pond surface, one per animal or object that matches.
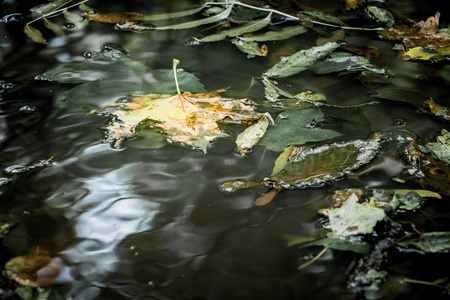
(149, 220)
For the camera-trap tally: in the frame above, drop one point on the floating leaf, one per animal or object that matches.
(53, 27)
(293, 128)
(428, 54)
(345, 63)
(33, 270)
(282, 160)
(300, 61)
(353, 218)
(429, 242)
(47, 8)
(308, 166)
(251, 135)
(192, 24)
(342, 243)
(34, 34)
(268, 197)
(325, 17)
(250, 48)
(85, 8)
(285, 33)
(233, 185)
(438, 110)
(247, 28)
(382, 15)
(440, 150)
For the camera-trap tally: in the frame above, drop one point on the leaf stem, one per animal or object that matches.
(58, 9)
(315, 258)
(424, 283)
(176, 62)
(287, 15)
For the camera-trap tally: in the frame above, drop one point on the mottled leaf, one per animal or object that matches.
(429, 242)
(300, 61)
(441, 149)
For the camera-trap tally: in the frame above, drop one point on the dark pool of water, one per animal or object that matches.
(149, 221)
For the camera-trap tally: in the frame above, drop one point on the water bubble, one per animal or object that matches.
(88, 54)
(69, 25)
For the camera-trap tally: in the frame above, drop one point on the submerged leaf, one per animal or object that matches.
(53, 27)
(382, 15)
(114, 17)
(233, 185)
(429, 242)
(34, 34)
(251, 135)
(308, 166)
(300, 61)
(268, 197)
(353, 218)
(293, 128)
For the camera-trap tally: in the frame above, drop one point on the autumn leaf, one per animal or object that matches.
(114, 17)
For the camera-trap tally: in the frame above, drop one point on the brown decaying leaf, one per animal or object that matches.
(370, 51)
(268, 197)
(438, 110)
(422, 34)
(306, 20)
(114, 17)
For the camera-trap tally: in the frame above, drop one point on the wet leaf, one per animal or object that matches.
(293, 128)
(324, 17)
(428, 54)
(440, 150)
(268, 197)
(247, 28)
(53, 27)
(316, 165)
(342, 243)
(429, 242)
(250, 48)
(282, 160)
(285, 33)
(345, 63)
(34, 34)
(23, 169)
(300, 61)
(33, 270)
(190, 119)
(353, 218)
(438, 110)
(114, 17)
(47, 8)
(251, 135)
(85, 8)
(233, 185)
(382, 15)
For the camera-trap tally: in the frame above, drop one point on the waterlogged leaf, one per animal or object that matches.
(268, 197)
(47, 8)
(190, 119)
(233, 185)
(438, 110)
(252, 49)
(353, 218)
(324, 17)
(440, 150)
(192, 24)
(282, 160)
(300, 61)
(53, 27)
(33, 270)
(342, 243)
(345, 63)
(34, 34)
(429, 242)
(251, 135)
(293, 128)
(114, 17)
(316, 165)
(247, 28)
(284, 34)
(428, 54)
(381, 15)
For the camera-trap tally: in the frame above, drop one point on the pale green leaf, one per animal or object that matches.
(197, 23)
(47, 8)
(300, 61)
(440, 150)
(353, 218)
(247, 28)
(325, 17)
(292, 128)
(342, 243)
(382, 15)
(53, 27)
(282, 160)
(85, 8)
(285, 33)
(421, 193)
(251, 135)
(428, 242)
(252, 49)
(34, 34)
(345, 63)
(71, 17)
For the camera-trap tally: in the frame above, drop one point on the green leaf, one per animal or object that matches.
(300, 61)
(429, 242)
(421, 193)
(342, 243)
(382, 15)
(282, 160)
(197, 23)
(353, 218)
(325, 17)
(78, 20)
(45, 9)
(24, 292)
(308, 166)
(247, 28)
(53, 27)
(285, 33)
(251, 135)
(440, 150)
(34, 34)
(174, 14)
(252, 49)
(348, 63)
(292, 129)
(85, 8)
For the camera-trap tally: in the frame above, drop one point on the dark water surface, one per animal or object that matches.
(149, 221)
